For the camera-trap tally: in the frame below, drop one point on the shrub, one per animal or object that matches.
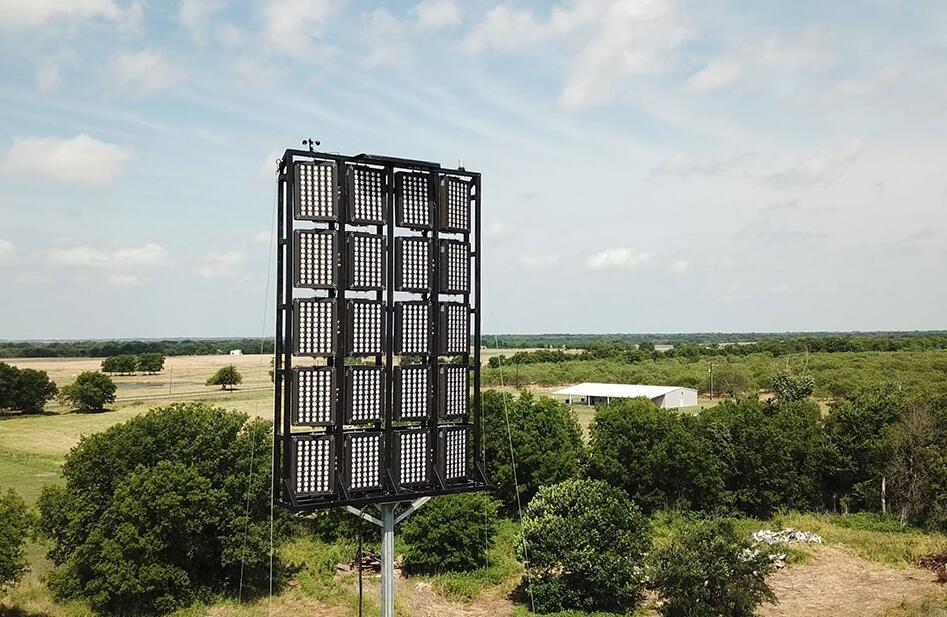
(547, 443)
(16, 523)
(449, 534)
(710, 571)
(25, 390)
(160, 510)
(226, 376)
(584, 541)
(91, 391)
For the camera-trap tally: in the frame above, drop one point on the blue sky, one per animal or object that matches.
(649, 165)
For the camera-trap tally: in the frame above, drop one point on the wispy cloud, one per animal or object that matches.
(142, 73)
(80, 159)
(820, 168)
(7, 253)
(220, 265)
(618, 259)
(538, 262)
(89, 256)
(124, 280)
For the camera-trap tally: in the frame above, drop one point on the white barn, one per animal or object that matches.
(668, 397)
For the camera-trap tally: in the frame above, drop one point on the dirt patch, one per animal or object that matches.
(423, 601)
(836, 583)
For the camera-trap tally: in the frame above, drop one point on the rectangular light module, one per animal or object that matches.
(454, 324)
(412, 327)
(364, 394)
(415, 264)
(365, 261)
(314, 327)
(363, 461)
(453, 453)
(413, 204)
(314, 396)
(412, 392)
(454, 270)
(454, 213)
(411, 456)
(453, 390)
(316, 259)
(316, 192)
(313, 465)
(365, 327)
(366, 203)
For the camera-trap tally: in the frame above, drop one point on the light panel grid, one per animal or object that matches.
(366, 262)
(413, 327)
(411, 455)
(454, 213)
(313, 465)
(314, 396)
(316, 197)
(316, 257)
(414, 264)
(363, 460)
(413, 200)
(455, 266)
(315, 327)
(453, 452)
(412, 392)
(454, 391)
(365, 195)
(365, 331)
(455, 328)
(364, 394)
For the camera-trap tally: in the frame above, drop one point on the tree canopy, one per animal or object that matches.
(90, 391)
(226, 377)
(25, 389)
(16, 523)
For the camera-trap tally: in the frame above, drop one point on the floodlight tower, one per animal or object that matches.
(377, 337)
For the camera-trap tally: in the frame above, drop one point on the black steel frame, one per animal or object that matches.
(284, 429)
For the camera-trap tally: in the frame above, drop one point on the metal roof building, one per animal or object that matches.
(668, 397)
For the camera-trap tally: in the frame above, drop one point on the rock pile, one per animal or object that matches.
(785, 536)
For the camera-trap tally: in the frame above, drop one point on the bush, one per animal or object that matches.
(449, 534)
(16, 523)
(584, 541)
(91, 391)
(547, 443)
(710, 571)
(226, 376)
(25, 390)
(155, 512)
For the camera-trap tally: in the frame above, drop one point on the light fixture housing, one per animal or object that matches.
(455, 200)
(454, 325)
(365, 327)
(314, 396)
(412, 393)
(364, 394)
(453, 453)
(415, 264)
(315, 329)
(316, 257)
(413, 206)
(413, 327)
(412, 457)
(453, 390)
(364, 460)
(312, 465)
(366, 197)
(366, 261)
(454, 267)
(316, 195)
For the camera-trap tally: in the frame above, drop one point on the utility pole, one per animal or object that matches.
(711, 380)
(170, 377)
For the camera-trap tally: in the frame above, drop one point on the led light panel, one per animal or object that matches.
(315, 327)
(363, 460)
(413, 327)
(316, 257)
(454, 323)
(364, 394)
(316, 195)
(453, 453)
(453, 391)
(454, 267)
(365, 327)
(313, 465)
(366, 263)
(366, 204)
(413, 200)
(454, 213)
(411, 456)
(314, 396)
(412, 392)
(414, 264)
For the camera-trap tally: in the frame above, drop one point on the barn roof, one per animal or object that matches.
(618, 390)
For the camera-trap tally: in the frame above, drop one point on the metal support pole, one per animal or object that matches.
(387, 559)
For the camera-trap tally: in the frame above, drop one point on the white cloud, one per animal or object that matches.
(124, 280)
(498, 230)
(218, 265)
(88, 256)
(387, 35)
(434, 14)
(27, 14)
(80, 159)
(194, 15)
(142, 73)
(821, 168)
(504, 29)
(264, 237)
(7, 253)
(680, 265)
(48, 77)
(686, 164)
(230, 35)
(810, 51)
(618, 259)
(538, 262)
(292, 27)
(714, 75)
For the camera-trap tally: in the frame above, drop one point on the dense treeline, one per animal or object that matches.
(102, 349)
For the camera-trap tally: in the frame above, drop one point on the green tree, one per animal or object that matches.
(650, 453)
(162, 510)
(546, 441)
(710, 571)
(25, 390)
(450, 533)
(91, 391)
(917, 466)
(150, 362)
(789, 386)
(124, 364)
(585, 542)
(16, 523)
(226, 377)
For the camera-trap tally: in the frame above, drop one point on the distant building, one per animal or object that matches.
(236, 352)
(668, 397)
